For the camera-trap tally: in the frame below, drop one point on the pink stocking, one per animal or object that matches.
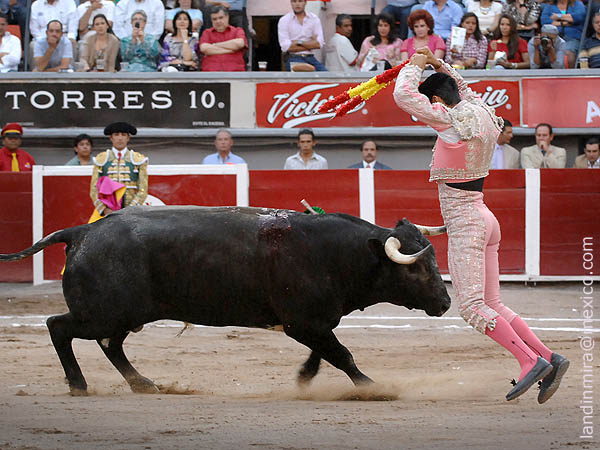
(504, 335)
(530, 339)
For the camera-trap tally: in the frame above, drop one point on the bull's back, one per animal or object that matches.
(200, 265)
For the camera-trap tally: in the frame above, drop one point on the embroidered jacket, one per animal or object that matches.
(467, 133)
(131, 170)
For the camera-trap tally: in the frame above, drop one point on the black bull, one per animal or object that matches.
(250, 267)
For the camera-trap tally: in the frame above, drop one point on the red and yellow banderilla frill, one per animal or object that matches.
(353, 97)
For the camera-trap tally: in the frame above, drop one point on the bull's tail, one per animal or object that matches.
(51, 239)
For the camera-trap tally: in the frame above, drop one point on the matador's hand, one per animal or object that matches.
(431, 59)
(418, 60)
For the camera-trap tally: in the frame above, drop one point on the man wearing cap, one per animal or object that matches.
(548, 50)
(121, 165)
(12, 158)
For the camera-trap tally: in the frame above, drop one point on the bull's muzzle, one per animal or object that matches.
(392, 250)
(431, 231)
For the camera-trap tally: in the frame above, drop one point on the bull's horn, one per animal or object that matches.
(392, 250)
(431, 231)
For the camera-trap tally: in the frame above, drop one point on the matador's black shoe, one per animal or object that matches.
(539, 371)
(550, 383)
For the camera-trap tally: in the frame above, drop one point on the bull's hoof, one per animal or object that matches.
(303, 381)
(78, 392)
(144, 386)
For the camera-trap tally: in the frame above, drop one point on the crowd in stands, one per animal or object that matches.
(124, 35)
(211, 35)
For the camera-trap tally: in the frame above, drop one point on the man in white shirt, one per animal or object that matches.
(299, 33)
(10, 48)
(505, 156)
(369, 161)
(154, 9)
(306, 158)
(341, 54)
(43, 11)
(87, 10)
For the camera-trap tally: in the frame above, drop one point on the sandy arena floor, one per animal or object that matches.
(440, 385)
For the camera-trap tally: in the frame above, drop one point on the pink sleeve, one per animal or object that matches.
(439, 43)
(398, 48)
(364, 48)
(404, 46)
(408, 97)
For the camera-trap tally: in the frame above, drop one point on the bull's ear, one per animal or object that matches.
(377, 249)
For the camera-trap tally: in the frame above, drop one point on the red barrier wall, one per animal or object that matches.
(67, 203)
(15, 224)
(409, 194)
(332, 190)
(569, 207)
(569, 199)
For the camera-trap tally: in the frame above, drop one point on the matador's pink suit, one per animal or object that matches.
(463, 151)
(467, 133)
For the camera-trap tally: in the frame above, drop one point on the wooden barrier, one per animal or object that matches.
(15, 224)
(567, 200)
(570, 202)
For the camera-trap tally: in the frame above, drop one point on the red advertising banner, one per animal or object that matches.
(291, 105)
(562, 102)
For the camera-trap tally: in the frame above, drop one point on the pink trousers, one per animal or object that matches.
(473, 240)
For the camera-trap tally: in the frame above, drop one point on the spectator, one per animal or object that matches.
(99, 50)
(591, 46)
(16, 12)
(548, 50)
(525, 13)
(184, 5)
(306, 158)
(341, 54)
(10, 48)
(568, 16)
(121, 165)
(488, 12)
(223, 144)
(369, 158)
(140, 51)
(88, 10)
(384, 45)
(505, 156)
(43, 11)
(506, 40)
(446, 14)
(223, 45)
(421, 24)
(474, 52)
(589, 159)
(179, 51)
(12, 158)
(236, 15)
(400, 10)
(83, 151)
(299, 33)
(54, 52)
(155, 17)
(543, 154)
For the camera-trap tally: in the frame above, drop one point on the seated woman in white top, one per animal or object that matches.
(488, 12)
